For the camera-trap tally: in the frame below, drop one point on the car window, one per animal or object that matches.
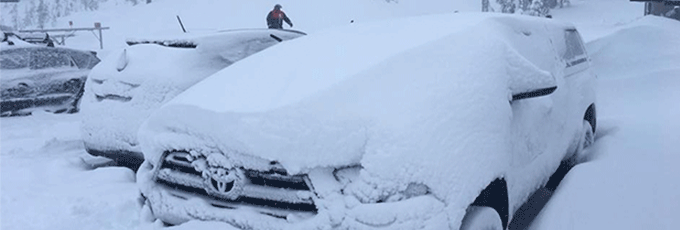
(82, 59)
(15, 59)
(574, 52)
(49, 58)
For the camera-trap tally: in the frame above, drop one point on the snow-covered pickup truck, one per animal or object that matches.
(432, 122)
(133, 82)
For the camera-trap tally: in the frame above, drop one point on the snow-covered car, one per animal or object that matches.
(432, 122)
(38, 38)
(42, 39)
(132, 82)
(41, 78)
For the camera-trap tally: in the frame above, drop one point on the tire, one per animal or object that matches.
(481, 218)
(587, 139)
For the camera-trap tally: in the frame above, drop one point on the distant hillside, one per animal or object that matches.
(200, 16)
(44, 13)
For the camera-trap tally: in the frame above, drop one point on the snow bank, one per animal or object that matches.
(598, 18)
(45, 184)
(647, 43)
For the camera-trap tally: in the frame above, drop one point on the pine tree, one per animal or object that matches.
(29, 13)
(538, 9)
(43, 14)
(507, 6)
(525, 5)
(14, 13)
(58, 9)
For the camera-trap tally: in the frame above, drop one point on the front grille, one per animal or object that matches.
(276, 180)
(179, 161)
(274, 191)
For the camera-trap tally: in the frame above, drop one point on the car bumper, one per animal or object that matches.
(53, 103)
(109, 127)
(126, 158)
(337, 211)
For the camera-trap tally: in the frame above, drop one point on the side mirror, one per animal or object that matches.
(526, 80)
(531, 85)
(534, 93)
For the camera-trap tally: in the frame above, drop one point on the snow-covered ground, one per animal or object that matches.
(628, 183)
(45, 184)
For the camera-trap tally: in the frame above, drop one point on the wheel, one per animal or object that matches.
(587, 140)
(481, 218)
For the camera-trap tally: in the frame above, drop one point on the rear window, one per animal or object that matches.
(574, 47)
(47, 58)
(15, 59)
(83, 59)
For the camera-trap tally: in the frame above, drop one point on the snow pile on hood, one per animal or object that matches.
(429, 105)
(151, 74)
(114, 121)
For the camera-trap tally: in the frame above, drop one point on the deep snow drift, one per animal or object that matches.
(596, 18)
(46, 185)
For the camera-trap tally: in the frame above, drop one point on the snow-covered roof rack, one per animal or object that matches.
(191, 41)
(168, 43)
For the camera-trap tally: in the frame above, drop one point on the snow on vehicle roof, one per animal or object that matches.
(16, 42)
(227, 40)
(355, 86)
(332, 56)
